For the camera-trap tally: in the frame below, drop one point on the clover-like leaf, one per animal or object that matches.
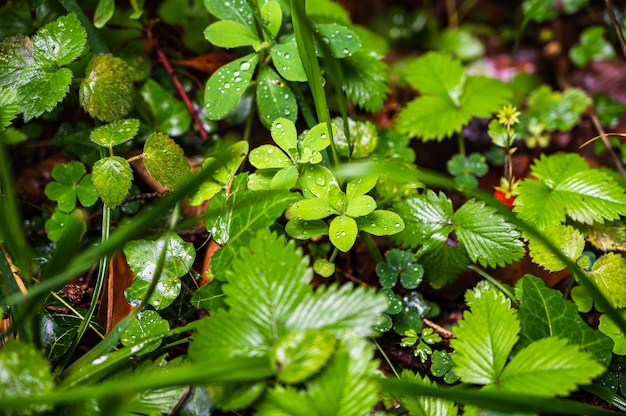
(107, 92)
(59, 222)
(148, 324)
(166, 114)
(360, 186)
(312, 209)
(318, 181)
(274, 97)
(143, 256)
(227, 85)
(237, 10)
(115, 133)
(285, 135)
(304, 229)
(230, 34)
(610, 329)
(360, 205)
(165, 161)
(285, 178)
(268, 156)
(342, 232)
(112, 178)
(287, 61)
(72, 184)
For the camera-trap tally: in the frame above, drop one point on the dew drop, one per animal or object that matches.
(287, 111)
(397, 225)
(323, 135)
(373, 224)
(279, 126)
(287, 56)
(244, 66)
(270, 150)
(236, 73)
(227, 85)
(346, 51)
(284, 68)
(286, 96)
(320, 181)
(343, 233)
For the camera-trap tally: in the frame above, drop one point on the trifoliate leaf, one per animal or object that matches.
(449, 98)
(107, 92)
(593, 46)
(71, 185)
(227, 85)
(608, 275)
(112, 178)
(229, 34)
(24, 372)
(567, 186)
(237, 10)
(544, 312)
(166, 114)
(549, 367)
(365, 80)
(143, 256)
(342, 232)
(166, 161)
(287, 61)
(485, 338)
(424, 405)
(300, 355)
(115, 133)
(274, 97)
(272, 16)
(566, 238)
(148, 324)
(610, 329)
(341, 40)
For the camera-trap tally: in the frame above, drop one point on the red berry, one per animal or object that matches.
(506, 200)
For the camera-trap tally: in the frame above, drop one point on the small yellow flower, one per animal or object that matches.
(508, 115)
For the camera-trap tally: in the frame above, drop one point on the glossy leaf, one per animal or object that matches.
(112, 178)
(167, 114)
(70, 186)
(9, 108)
(165, 161)
(315, 140)
(107, 92)
(148, 324)
(312, 209)
(360, 186)
(237, 10)
(341, 40)
(566, 238)
(319, 181)
(304, 230)
(59, 221)
(608, 275)
(424, 405)
(115, 133)
(104, 12)
(268, 156)
(55, 85)
(360, 205)
(285, 135)
(366, 80)
(285, 178)
(227, 85)
(229, 34)
(142, 257)
(300, 355)
(543, 312)
(363, 138)
(287, 61)
(381, 222)
(272, 16)
(343, 231)
(611, 330)
(274, 97)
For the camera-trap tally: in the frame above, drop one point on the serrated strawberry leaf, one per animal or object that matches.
(112, 178)
(366, 80)
(227, 85)
(143, 256)
(115, 133)
(568, 187)
(9, 108)
(567, 239)
(274, 97)
(61, 41)
(166, 161)
(607, 274)
(543, 312)
(42, 94)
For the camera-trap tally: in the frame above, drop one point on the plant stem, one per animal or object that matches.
(95, 41)
(387, 360)
(616, 25)
(616, 161)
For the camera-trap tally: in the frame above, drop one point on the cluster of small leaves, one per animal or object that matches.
(421, 342)
(403, 313)
(399, 264)
(549, 365)
(483, 235)
(466, 169)
(313, 340)
(593, 46)
(448, 97)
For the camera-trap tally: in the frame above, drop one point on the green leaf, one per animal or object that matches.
(593, 46)
(44, 93)
(274, 97)
(608, 275)
(363, 138)
(299, 355)
(167, 114)
(487, 237)
(237, 10)
(112, 178)
(556, 110)
(227, 84)
(366, 80)
(272, 16)
(544, 312)
(566, 238)
(324, 267)
(148, 324)
(449, 98)
(115, 133)
(360, 205)
(343, 231)
(71, 184)
(142, 257)
(107, 91)
(461, 43)
(360, 186)
(285, 178)
(287, 61)
(24, 372)
(312, 209)
(549, 367)
(166, 161)
(428, 216)
(285, 135)
(484, 338)
(341, 40)
(315, 140)
(268, 156)
(318, 181)
(56, 225)
(229, 34)
(610, 329)
(304, 230)
(9, 108)
(567, 186)
(60, 42)
(381, 222)
(104, 12)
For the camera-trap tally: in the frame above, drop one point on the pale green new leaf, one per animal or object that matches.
(112, 178)
(488, 238)
(608, 275)
(237, 10)
(342, 232)
(274, 97)
(142, 257)
(268, 156)
(543, 312)
(227, 85)
(272, 16)
(115, 133)
(424, 405)
(548, 367)
(361, 205)
(566, 238)
(303, 230)
(166, 161)
(381, 222)
(315, 140)
(285, 135)
(360, 186)
(312, 209)
(484, 338)
(229, 34)
(567, 186)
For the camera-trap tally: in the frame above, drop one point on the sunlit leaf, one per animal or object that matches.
(287, 61)
(229, 34)
(300, 355)
(237, 10)
(608, 275)
(566, 238)
(272, 16)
